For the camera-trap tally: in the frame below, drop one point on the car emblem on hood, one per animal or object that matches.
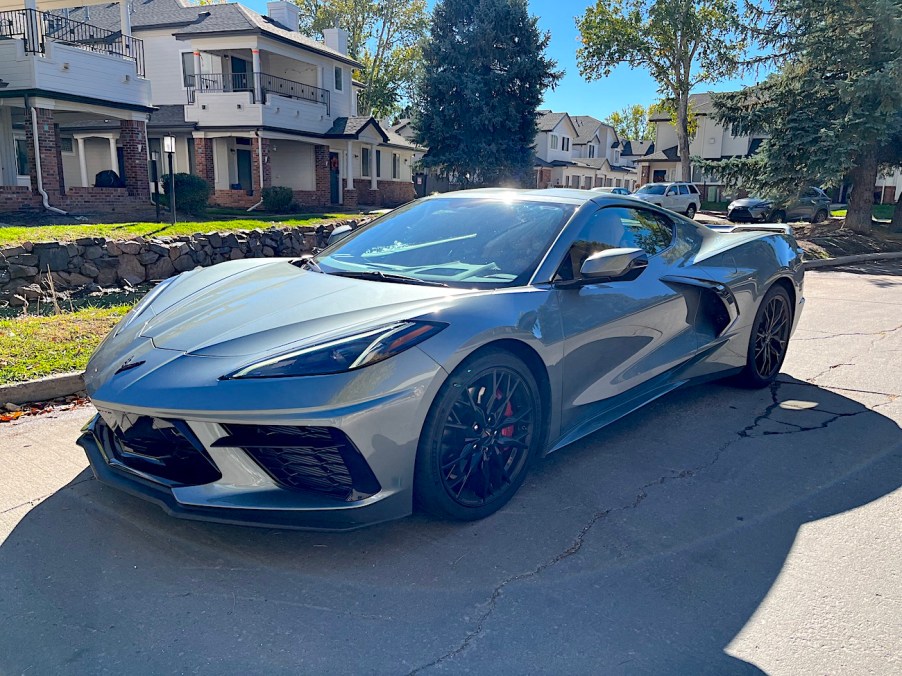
(128, 365)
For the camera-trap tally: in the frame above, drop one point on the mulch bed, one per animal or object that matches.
(830, 240)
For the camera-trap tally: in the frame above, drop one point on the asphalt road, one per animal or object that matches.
(716, 531)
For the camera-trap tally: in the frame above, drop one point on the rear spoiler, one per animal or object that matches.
(782, 228)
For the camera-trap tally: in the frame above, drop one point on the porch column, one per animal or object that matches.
(114, 158)
(82, 161)
(203, 158)
(349, 185)
(258, 89)
(373, 183)
(133, 134)
(341, 179)
(50, 156)
(125, 24)
(197, 80)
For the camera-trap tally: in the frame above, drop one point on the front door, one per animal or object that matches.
(245, 172)
(333, 178)
(240, 81)
(622, 333)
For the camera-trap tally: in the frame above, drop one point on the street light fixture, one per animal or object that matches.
(169, 149)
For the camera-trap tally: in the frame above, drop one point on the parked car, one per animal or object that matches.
(812, 205)
(682, 198)
(428, 357)
(611, 190)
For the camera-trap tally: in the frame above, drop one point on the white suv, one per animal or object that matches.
(680, 197)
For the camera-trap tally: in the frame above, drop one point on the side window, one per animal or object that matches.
(683, 189)
(617, 228)
(339, 79)
(188, 69)
(692, 189)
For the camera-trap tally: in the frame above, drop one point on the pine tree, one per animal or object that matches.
(485, 73)
(831, 111)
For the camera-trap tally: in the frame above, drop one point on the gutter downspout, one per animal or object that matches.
(37, 163)
(259, 162)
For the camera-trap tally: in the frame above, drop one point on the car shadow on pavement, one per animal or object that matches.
(646, 547)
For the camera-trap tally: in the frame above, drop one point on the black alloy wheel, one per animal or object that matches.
(481, 434)
(769, 339)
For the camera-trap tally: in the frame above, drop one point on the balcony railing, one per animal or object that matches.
(35, 28)
(265, 84)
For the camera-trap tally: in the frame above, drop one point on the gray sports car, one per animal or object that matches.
(430, 357)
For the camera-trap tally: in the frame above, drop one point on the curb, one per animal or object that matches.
(845, 260)
(44, 389)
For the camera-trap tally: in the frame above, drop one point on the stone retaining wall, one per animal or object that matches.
(92, 263)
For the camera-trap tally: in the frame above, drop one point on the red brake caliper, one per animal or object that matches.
(508, 412)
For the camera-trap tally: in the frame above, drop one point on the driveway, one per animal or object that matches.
(716, 531)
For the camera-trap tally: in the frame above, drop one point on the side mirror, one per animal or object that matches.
(338, 233)
(612, 264)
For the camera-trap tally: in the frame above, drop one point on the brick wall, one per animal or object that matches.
(323, 175)
(203, 157)
(255, 165)
(133, 138)
(16, 198)
(237, 199)
(350, 199)
(396, 192)
(366, 195)
(51, 159)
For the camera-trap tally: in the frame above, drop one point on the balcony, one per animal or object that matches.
(36, 29)
(260, 86)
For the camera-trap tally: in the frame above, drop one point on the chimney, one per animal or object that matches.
(336, 38)
(286, 13)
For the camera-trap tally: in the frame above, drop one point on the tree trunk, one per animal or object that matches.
(682, 129)
(896, 224)
(861, 202)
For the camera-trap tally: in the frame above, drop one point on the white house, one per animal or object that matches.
(55, 71)
(252, 103)
(579, 151)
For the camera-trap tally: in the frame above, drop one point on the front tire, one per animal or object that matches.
(690, 211)
(769, 340)
(820, 216)
(483, 431)
(778, 217)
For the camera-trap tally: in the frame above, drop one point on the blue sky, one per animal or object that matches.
(573, 94)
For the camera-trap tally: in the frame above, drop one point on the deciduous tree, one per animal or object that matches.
(631, 123)
(682, 43)
(485, 73)
(831, 111)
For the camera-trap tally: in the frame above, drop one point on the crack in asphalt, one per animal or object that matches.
(576, 545)
(881, 334)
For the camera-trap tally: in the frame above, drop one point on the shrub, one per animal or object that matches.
(277, 199)
(191, 193)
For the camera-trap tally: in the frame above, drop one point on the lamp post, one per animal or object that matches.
(155, 177)
(169, 149)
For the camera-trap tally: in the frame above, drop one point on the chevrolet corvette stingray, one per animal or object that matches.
(430, 357)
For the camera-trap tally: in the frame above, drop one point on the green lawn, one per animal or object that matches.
(882, 212)
(67, 233)
(35, 346)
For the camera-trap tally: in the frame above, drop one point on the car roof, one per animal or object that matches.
(568, 195)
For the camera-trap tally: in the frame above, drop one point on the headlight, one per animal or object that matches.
(344, 354)
(731, 205)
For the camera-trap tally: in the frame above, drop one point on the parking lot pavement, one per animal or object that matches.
(715, 531)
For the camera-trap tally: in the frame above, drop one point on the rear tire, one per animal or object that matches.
(769, 340)
(778, 217)
(477, 446)
(820, 216)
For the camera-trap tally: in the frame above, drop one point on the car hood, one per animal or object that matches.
(750, 202)
(258, 308)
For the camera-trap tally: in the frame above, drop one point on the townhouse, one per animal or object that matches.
(579, 151)
(250, 103)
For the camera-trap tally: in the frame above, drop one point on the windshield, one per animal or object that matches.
(460, 242)
(652, 189)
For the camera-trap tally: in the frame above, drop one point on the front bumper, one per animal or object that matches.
(747, 215)
(348, 516)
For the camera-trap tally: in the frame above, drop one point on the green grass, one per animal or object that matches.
(883, 212)
(35, 346)
(67, 233)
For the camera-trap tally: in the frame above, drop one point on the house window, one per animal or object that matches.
(378, 164)
(395, 165)
(21, 157)
(66, 145)
(591, 150)
(339, 78)
(565, 143)
(554, 142)
(659, 176)
(365, 162)
(188, 69)
(587, 182)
